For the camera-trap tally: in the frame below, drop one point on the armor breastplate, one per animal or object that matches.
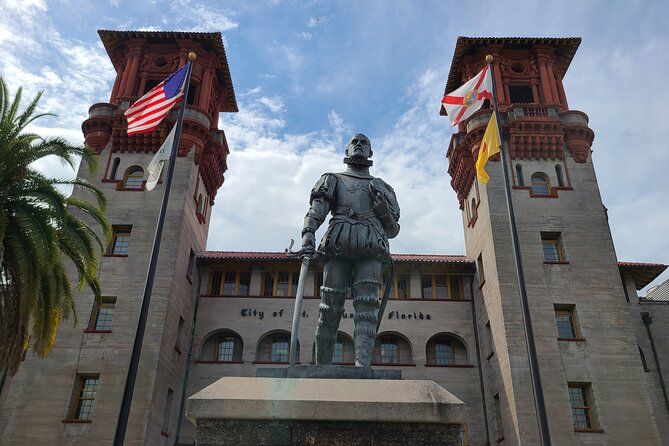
(353, 193)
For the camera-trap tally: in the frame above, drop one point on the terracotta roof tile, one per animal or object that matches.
(642, 273)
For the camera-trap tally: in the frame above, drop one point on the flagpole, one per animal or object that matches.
(122, 423)
(535, 374)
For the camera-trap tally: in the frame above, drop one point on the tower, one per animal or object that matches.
(74, 395)
(585, 338)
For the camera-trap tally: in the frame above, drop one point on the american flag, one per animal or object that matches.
(144, 115)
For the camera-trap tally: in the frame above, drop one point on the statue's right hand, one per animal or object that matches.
(308, 243)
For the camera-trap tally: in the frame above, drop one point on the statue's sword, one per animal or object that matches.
(299, 296)
(384, 299)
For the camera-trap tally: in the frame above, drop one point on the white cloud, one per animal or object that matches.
(316, 21)
(282, 168)
(274, 104)
(72, 74)
(203, 18)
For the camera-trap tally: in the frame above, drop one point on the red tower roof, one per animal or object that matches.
(114, 41)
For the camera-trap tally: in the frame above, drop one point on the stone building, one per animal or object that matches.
(603, 352)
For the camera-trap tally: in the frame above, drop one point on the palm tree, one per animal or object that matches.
(43, 233)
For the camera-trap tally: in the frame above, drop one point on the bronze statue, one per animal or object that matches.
(365, 215)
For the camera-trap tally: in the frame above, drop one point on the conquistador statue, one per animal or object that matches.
(365, 215)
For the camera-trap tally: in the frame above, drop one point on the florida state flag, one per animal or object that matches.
(463, 102)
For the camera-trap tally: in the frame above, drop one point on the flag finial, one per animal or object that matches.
(488, 58)
(192, 56)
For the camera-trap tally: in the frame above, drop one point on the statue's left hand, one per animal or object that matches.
(378, 200)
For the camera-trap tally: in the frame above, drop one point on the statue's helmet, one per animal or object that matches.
(359, 150)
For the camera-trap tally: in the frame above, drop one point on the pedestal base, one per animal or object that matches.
(325, 433)
(326, 412)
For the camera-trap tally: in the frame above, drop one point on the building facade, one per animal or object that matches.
(603, 352)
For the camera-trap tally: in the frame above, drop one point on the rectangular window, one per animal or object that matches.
(192, 94)
(280, 283)
(581, 408)
(280, 349)
(455, 288)
(226, 349)
(229, 283)
(497, 409)
(440, 287)
(521, 94)
(552, 245)
(444, 353)
(566, 321)
(191, 265)
(102, 315)
(479, 268)
(216, 278)
(426, 287)
(390, 353)
(86, 387)
(402, 286)
(268, 289)
(244, 284)
(294, 281)
(436, 286)
(150, 84)
(180, 334)
(490, 345)
(398, 286)
(168, 410)
(120, 242)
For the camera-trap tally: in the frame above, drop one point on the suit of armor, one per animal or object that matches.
(364, 216)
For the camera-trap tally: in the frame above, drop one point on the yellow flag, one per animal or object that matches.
(489, 146)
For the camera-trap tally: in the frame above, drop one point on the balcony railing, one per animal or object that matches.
(524, 111)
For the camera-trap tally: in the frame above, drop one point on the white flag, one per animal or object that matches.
(466, 100)
(156, 164)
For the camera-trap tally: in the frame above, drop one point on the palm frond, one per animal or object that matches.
(42, 230)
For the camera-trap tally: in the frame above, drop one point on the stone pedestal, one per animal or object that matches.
(243, 411)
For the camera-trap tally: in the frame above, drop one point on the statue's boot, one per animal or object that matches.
(330, 312)
(366, 304)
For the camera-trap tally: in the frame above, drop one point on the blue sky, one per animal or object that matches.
(309, 74)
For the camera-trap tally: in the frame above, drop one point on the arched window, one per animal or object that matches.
(112, 175)
(519, 175)
(343, 353)
(392, 348)
(275, 347)
(445, 349)
(540, 184)
(558, 174)
(133, 177)
(222, 346)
